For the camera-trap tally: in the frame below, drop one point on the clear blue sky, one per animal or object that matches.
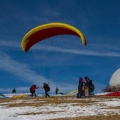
(60, 60)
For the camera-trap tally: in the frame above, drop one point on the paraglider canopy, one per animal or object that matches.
(44, 31)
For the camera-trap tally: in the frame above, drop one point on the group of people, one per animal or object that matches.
(46, 88)
(84, 86)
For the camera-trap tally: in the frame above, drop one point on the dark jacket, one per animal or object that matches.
(46, 87)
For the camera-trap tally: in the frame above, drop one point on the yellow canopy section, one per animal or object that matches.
(44, 31)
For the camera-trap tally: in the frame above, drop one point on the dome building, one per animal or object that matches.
(115, 81)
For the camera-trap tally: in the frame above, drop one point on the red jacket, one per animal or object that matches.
(33, 87)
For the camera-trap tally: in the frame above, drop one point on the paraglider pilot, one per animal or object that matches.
(46, 89)
(56, 90)
(80, 86)
(14, 90)
(32, 90)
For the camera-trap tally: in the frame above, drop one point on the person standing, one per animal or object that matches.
(56, 90)
(87, 86)
(32, 90)
(46, 89)
(80, 86)
(14, 90)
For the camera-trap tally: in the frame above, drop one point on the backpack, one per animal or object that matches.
(90, 82)
(30, 89)
(92, 87)
(48, 88)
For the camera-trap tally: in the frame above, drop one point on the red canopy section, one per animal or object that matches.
(113, 94)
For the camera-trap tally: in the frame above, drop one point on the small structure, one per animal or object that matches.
(114, 83)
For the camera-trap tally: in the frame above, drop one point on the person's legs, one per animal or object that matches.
(45, 93)
(48, 95)
(32, 93)
(80, 93)
(35, 94)
(86, 91)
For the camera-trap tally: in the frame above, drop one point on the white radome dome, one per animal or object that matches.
(115, 78)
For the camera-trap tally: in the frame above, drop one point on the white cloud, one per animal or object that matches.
(92, 50)
(19, 69)
(11, 44)
(24, 72)
(48, 12)
(76, 51)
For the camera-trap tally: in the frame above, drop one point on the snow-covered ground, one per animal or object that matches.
(97, 106)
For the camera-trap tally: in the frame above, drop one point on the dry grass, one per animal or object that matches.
(41, 101)
(100, 117)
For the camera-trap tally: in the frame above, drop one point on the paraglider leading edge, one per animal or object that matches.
(44, 31)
